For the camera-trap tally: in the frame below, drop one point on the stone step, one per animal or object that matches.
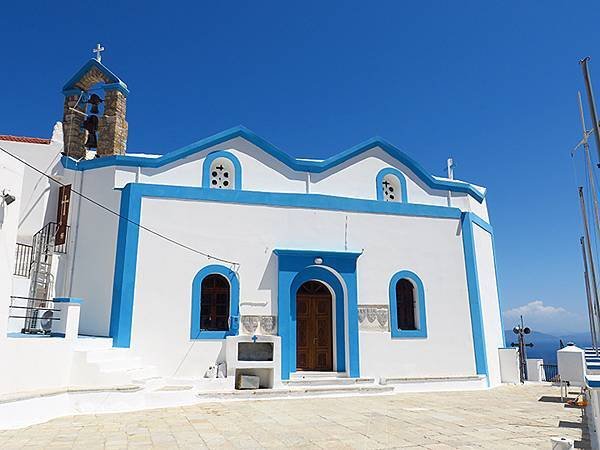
(108, 354)
(120, 365)
(93, 343)
(142, 374)
(305, 375)
(399, 380)
(328, 381)
(297, 392)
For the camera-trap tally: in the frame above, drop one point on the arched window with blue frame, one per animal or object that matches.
(391, 185)
(407, 306)
(222, 170)
(215, 303)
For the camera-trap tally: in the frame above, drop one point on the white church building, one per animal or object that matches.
(229, 250)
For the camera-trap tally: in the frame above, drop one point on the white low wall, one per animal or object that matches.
(535, 370)
(31, 363)
(509, 365)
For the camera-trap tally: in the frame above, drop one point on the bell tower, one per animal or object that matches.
(94, 111)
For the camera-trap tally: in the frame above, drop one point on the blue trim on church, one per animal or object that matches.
(121, 313)
(401, 180)
(344, 263)
(70, 87)
(293, 163)
(338, 271)
(477, 325)
(421, 331)
(237, 168)
(234, 303)
(487, 227)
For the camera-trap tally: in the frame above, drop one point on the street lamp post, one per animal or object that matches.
(521, 331)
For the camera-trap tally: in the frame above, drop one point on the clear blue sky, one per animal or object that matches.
(491, 83)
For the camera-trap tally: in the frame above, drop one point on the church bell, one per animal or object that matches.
(94, 100)
(90, 124)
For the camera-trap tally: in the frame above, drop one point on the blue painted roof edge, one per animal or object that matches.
(293, 163)
(113, 79)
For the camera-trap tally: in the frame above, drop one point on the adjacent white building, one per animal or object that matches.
(362, 265)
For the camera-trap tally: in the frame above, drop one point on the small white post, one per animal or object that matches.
(450, 169)
(68, 315)
(450, 165)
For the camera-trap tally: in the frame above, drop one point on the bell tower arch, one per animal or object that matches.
(85, 126)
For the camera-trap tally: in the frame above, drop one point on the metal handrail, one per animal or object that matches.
(35, 307)
(50, 229)
(23, 258)
(31, 298)
(551, 372)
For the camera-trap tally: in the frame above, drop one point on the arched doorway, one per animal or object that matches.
(314, 328)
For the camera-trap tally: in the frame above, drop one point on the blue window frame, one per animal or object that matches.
(399, 286)
(234, 303)
(223, 170)
(391, 185)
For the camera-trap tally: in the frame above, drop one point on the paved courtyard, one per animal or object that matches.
(509, 417)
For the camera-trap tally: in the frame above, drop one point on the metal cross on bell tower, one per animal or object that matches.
(98, 53)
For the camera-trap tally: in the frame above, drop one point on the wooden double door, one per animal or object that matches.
(314, 334)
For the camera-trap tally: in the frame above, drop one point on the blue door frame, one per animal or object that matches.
(338, 271)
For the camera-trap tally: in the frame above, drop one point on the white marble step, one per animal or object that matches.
(300, 391)
(404, 380)
(143, 374)
(88, 343)
(328, 381)
(149, 382)
(109, 354)
(312, 375)
(120, 365)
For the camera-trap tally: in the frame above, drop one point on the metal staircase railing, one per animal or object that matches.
(23, 257)
(41, 277)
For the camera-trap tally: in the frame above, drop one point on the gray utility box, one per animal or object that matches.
(247, 382)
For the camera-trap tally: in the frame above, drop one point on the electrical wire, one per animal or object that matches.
(235, 265)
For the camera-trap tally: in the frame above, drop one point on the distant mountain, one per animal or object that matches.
(546, 345)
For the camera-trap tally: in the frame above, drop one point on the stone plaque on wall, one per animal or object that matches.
(374, 317)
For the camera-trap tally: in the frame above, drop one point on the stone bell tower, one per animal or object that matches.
(94, 111)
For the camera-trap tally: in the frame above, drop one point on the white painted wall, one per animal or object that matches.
(429, 247)
(490, 306)
(93, 250)
(37, 363)
(355, 178)
(260, 171)
(38, 195)
(509, 365)
(11, 179)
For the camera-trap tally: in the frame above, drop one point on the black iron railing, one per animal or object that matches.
(24, 254)
(551, 372)
(50, 229)
(23, 260)
(39, 311)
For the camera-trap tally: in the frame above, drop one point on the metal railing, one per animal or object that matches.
(50, 230)
(23, 260)
(41, 309)
(24, 253)
(551, 372)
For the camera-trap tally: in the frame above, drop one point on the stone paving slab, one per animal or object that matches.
(508, 417)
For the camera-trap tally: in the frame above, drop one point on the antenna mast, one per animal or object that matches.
(590, 95)
(588, 293)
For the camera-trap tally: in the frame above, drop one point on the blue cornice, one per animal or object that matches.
(113, 81)
(316, 253)
(312, 201)
(293, 163)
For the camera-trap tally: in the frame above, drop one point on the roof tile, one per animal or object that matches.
(28, 140)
